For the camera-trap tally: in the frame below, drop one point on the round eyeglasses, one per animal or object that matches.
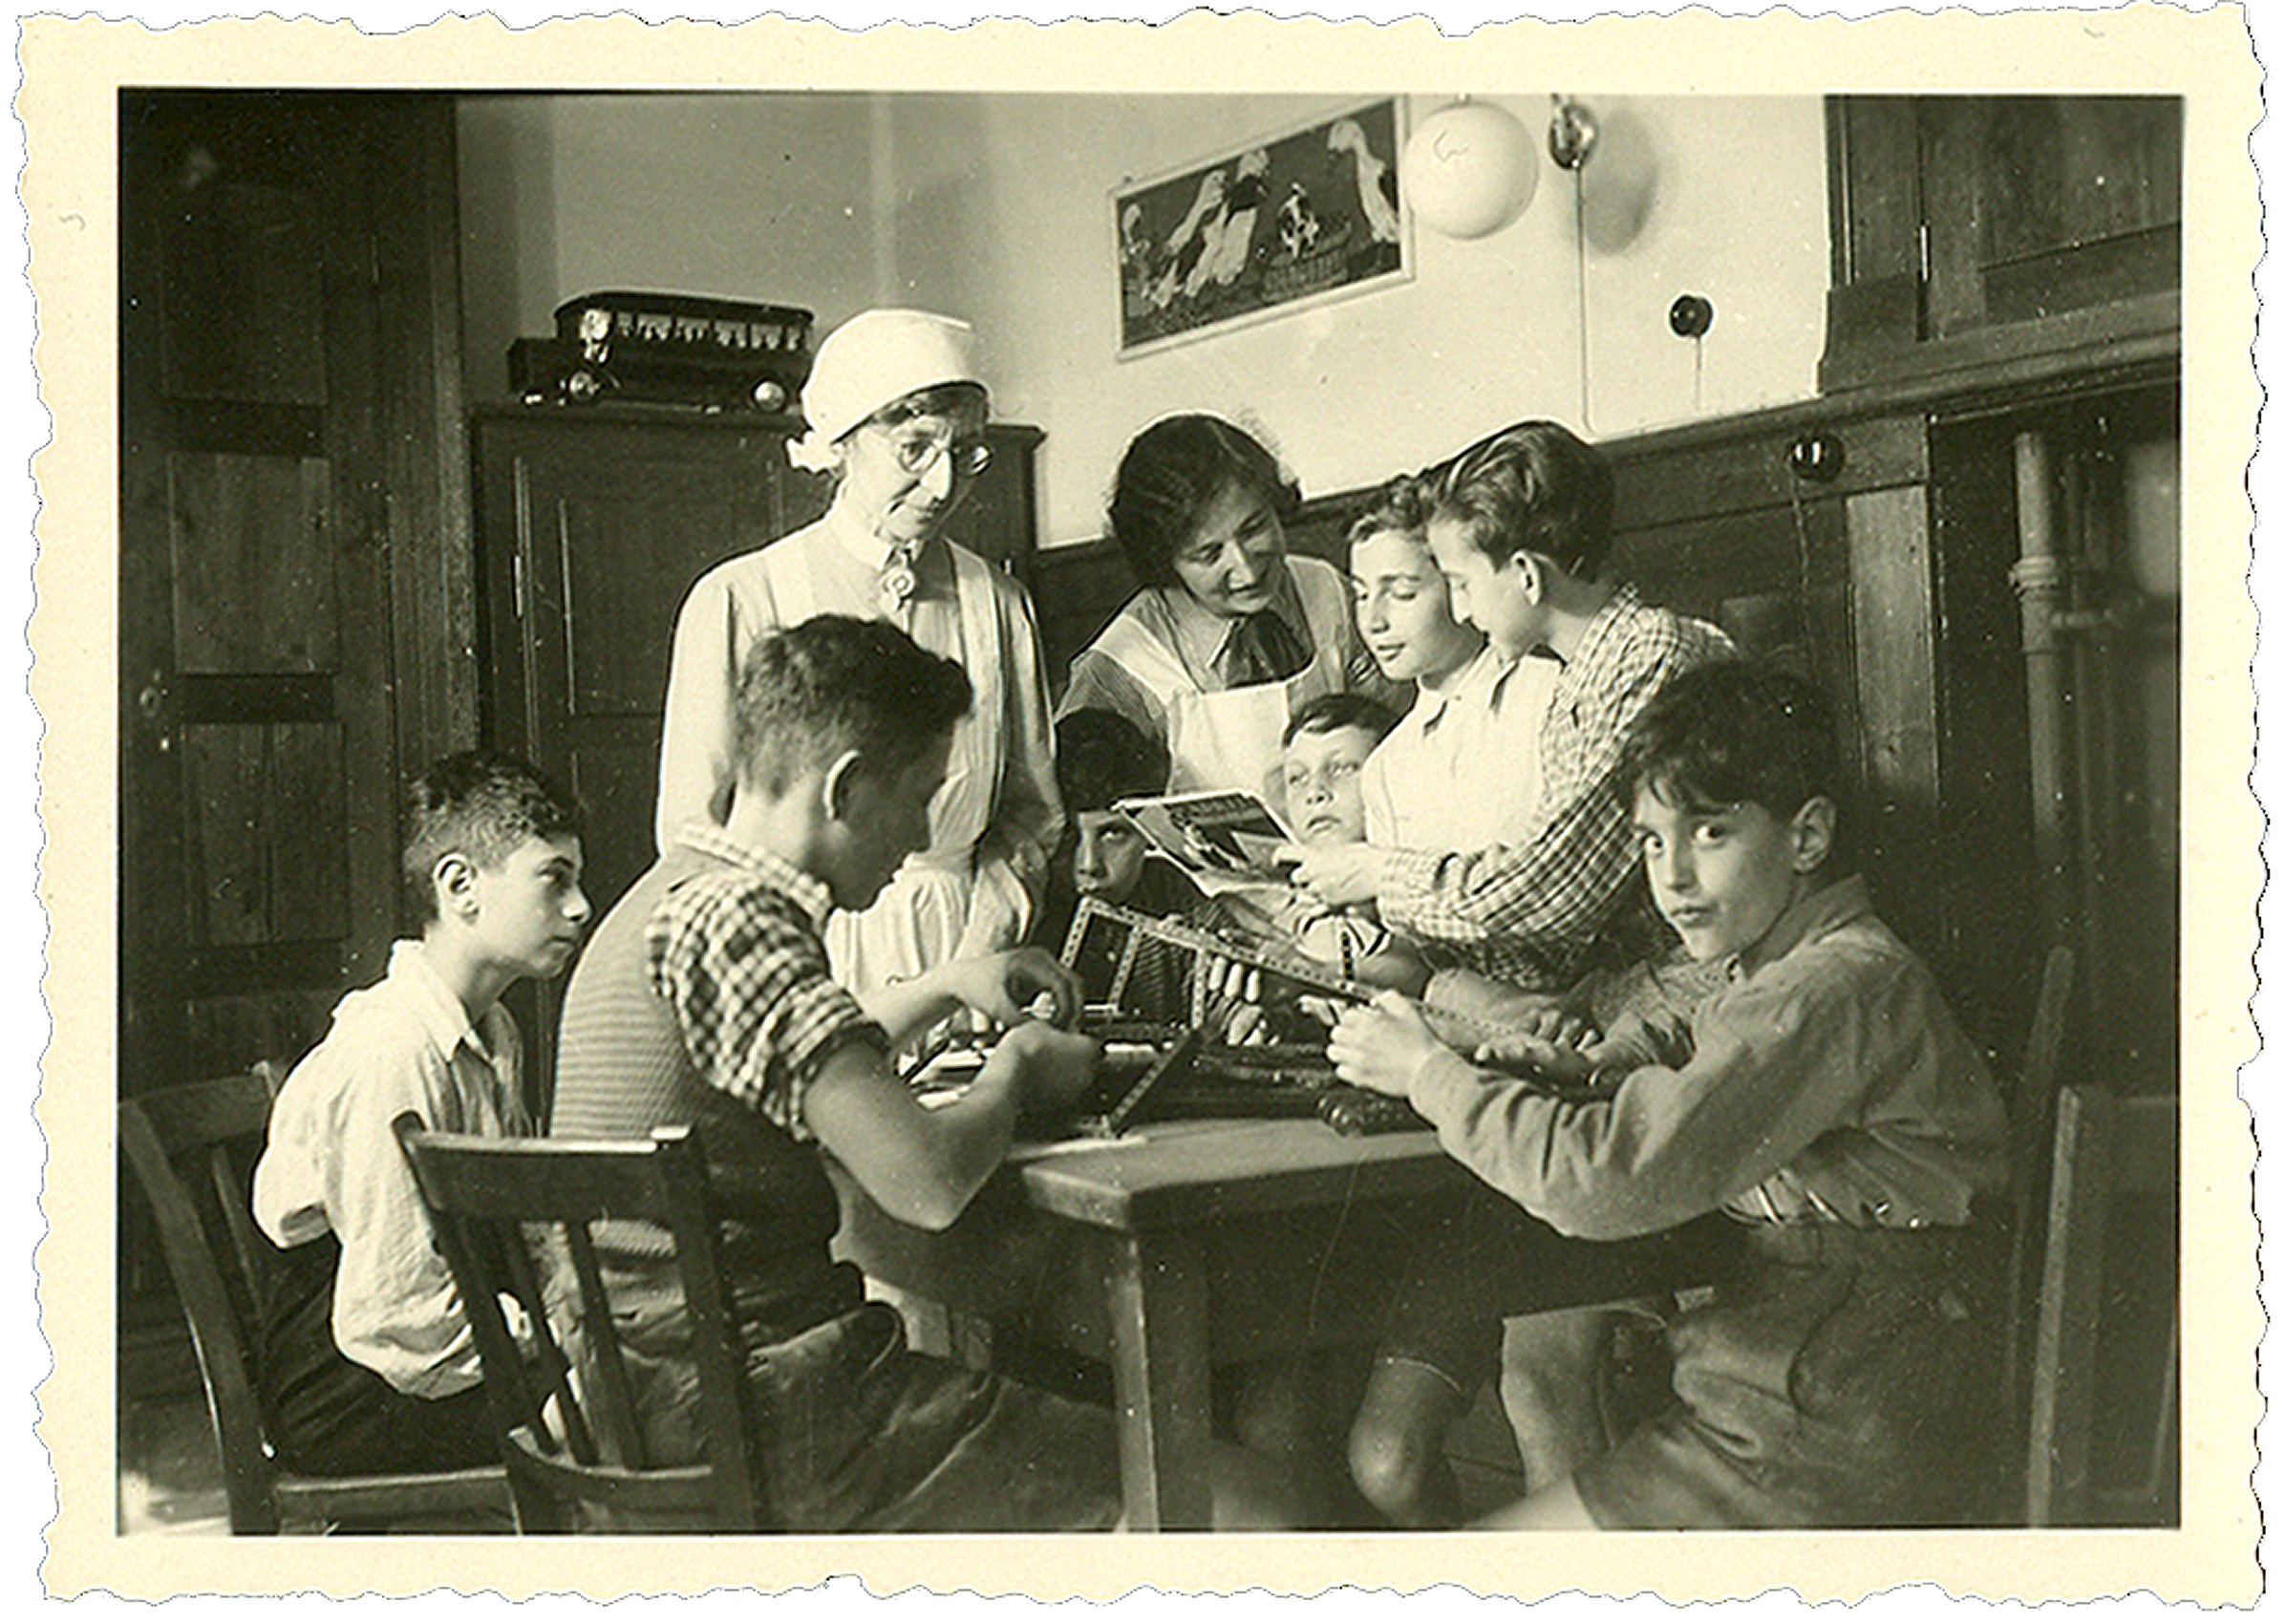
(917, 451)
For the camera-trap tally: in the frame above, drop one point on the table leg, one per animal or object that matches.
(1162, 1381)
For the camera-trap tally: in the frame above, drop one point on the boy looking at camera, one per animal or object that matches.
(1822, 1096)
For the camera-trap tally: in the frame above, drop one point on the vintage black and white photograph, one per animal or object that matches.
(641, 617)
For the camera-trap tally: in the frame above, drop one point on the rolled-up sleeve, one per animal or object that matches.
(1771, 1070)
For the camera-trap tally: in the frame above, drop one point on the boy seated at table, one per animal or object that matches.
(1101, 758)
(1822, 1096)
(369, 1365)
(705, 999)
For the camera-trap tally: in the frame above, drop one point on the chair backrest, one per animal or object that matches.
(2109, 1316)
(510, 1215)
(192, 1150)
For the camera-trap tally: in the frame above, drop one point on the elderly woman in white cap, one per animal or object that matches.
(896, 414)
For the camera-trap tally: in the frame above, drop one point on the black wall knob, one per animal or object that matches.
(1816, 457)
(1690, 316)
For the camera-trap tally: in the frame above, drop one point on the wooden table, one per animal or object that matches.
(1193, 1244)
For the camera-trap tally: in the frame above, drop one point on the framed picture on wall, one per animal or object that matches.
(1276, 225)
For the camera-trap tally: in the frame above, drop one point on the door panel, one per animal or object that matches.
(254, 586)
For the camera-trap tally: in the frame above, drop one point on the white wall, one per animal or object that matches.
(997, 208)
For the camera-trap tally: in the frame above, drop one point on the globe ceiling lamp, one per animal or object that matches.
(1470, 169)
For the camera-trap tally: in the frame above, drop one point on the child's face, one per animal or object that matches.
(1231, 560)
(1405, 610)
(882, 822)
(530, 910)
(1722, 878)
(1324, 799)
(1487, 595)
(1107, 861)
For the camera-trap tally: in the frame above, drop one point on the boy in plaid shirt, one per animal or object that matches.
(705, 999)
(1520, 528)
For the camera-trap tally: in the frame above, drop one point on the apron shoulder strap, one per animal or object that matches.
(1146, 657)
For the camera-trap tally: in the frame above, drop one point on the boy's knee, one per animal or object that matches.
(1388, 1466)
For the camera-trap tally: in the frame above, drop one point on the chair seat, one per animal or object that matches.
(192, 1150)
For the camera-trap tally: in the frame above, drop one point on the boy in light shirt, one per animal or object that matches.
(1459, 772)
(367, 1363)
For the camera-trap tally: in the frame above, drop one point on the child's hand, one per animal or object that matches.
(1049, 1070)
(1382, 1045)
(1337, 876)
(1230, 1001)
(1019, 985)
(1566, 1028)
(1528, 1054)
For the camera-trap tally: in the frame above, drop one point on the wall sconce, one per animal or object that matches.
(1471, 169)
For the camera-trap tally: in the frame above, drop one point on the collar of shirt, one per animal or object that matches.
(1820, 913)
(1623, 604)
(438, 1009)
(1201, 635)
(807, 890)
(1478, 677)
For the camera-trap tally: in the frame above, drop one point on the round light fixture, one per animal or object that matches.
(1469, 170)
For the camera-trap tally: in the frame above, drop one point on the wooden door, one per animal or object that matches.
(287, 527)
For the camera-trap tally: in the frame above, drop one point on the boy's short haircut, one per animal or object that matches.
(1403, 506)
(1330, 713)
(483, 804)
(1733, 731)
(1101, 756)
(1532, 488)
(809, 694)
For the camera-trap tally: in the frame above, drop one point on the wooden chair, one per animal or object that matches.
(2105, 1325)
(2031, 1141)
(491, 1200)
(192, 1150)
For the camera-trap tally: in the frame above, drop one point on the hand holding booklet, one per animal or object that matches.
(1220, 838)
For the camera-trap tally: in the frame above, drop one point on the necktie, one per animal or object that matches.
(1263, 648)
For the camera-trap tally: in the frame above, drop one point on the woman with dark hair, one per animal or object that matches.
(896, 411)
(1227, 634)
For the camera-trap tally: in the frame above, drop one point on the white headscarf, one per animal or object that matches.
(872, 360)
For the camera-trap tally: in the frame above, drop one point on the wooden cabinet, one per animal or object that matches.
(592, 522)
(1969, 229)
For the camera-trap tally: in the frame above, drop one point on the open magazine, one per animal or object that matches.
(1220, 838)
